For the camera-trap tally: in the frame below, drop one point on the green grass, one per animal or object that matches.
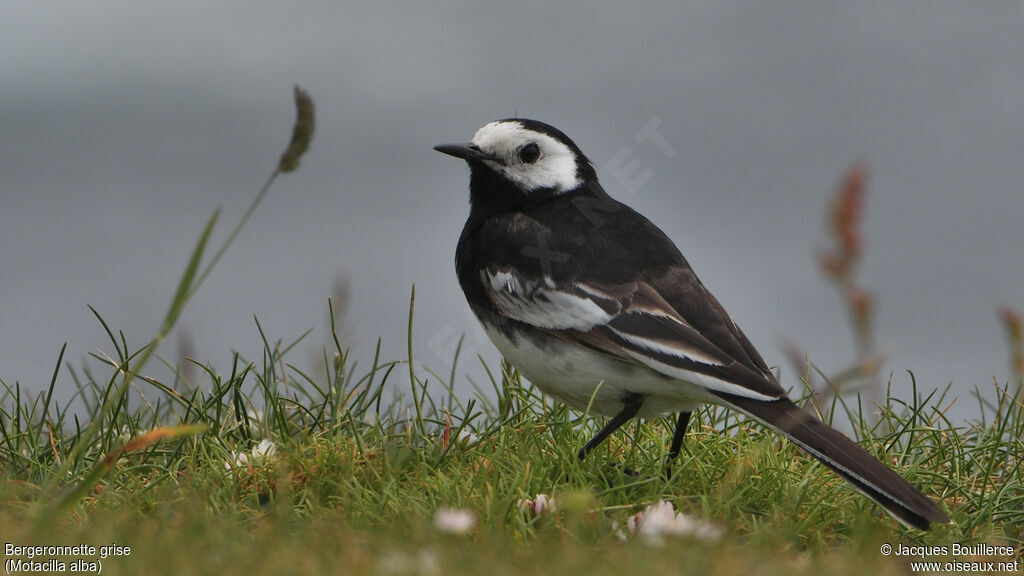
(357, 478)
(361, 465)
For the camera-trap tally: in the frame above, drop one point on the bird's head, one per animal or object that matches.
(535, 159)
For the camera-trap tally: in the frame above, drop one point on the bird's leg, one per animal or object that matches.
(677, 442)
(630, 406)
(677, 438)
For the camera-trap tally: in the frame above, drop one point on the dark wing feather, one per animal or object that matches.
(651, 331)
(622, 288)
(630, 322)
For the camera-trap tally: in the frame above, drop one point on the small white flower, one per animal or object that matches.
(661, 519)
(262, 451)
(238, 460)
(454, 521)
(265, 449)
(466, 438)
(541, 505)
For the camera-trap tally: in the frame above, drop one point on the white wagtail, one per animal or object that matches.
(598, 308)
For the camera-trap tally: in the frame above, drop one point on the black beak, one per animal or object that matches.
(468, 152)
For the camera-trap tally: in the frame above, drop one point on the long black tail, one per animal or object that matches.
(851, 462)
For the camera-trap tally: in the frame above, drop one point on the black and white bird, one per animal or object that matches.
(598, 308)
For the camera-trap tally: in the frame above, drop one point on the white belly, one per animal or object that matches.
(581, 377)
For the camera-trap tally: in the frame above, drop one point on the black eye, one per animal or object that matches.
(529, 153)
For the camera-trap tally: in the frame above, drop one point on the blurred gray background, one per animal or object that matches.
(123, 125)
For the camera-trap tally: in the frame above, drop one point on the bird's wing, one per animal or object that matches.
(634, 321)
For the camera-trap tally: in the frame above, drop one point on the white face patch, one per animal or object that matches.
(555, 168)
